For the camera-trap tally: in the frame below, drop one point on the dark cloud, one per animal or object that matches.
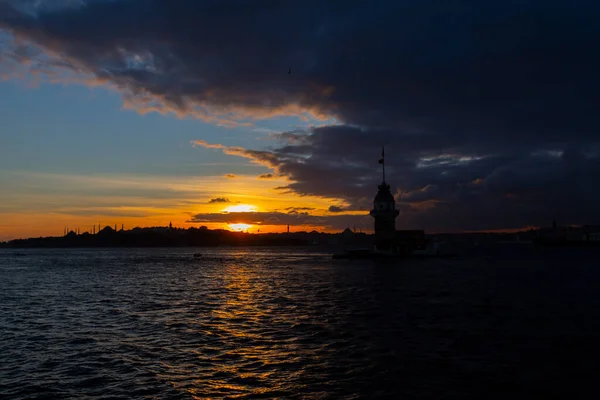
(299, 210)
(487, 109)
(451, 191)
(265, 176)
(337, 222)
(219, 200)
(335, 209)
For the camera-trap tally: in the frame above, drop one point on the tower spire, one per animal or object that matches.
(382, 162)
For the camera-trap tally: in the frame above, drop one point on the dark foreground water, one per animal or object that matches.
(256, 323)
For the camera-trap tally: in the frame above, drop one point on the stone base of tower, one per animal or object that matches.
(403, 242)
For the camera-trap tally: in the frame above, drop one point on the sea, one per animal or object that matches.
(291, 323)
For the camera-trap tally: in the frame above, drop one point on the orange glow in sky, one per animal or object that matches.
(47, 203)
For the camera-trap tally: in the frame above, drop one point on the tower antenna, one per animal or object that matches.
(382, 162)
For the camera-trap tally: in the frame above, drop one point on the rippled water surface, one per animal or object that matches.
(273, 323)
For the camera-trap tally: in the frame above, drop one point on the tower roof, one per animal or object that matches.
(384, 195)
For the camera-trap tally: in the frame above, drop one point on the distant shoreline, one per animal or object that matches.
(141, 246)
(166, 237)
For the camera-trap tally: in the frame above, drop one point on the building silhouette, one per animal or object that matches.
(384, 212)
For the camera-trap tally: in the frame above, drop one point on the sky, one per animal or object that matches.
(145, 112)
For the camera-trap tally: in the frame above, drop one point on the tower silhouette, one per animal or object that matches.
(384, 212)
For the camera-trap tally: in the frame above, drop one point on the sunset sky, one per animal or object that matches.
(145, 112)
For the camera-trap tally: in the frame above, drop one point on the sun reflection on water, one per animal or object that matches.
(248, 361)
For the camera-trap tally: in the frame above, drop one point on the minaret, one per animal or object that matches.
(384, 212)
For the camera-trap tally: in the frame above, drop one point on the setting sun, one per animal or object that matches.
(239, 227)
(240, 208)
